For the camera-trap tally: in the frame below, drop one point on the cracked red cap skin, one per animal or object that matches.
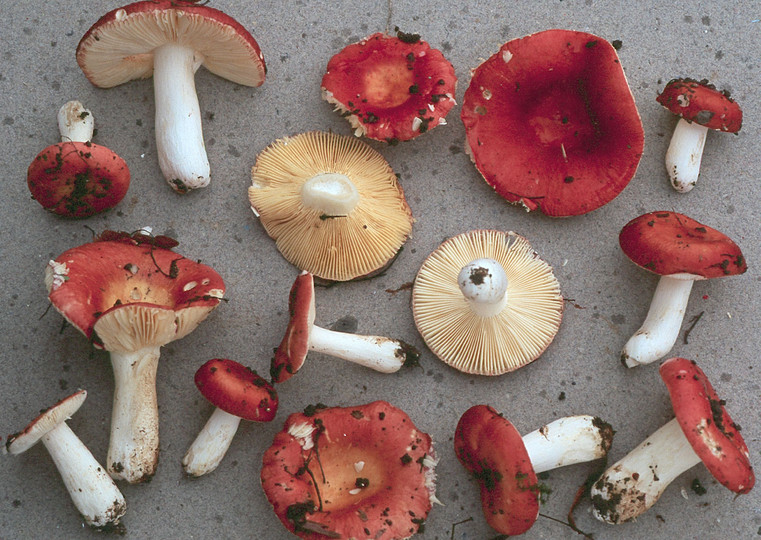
(714, 437)
(492, 450)
(78, 179)
(237, 389)
(293, 349)
(551, 122)
(391, 88)
(121, 270)
(668, 243)
(350, 472)
(702, 103)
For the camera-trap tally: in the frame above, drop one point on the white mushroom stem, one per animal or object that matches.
(333, 194)
(685, 153)
(133, 450)
(211, 444)
(483, 283)
(658, 333)
(94, 492)
(379, 353)
(75, 123)
(633, 484)
(179, 134)
(567, 441)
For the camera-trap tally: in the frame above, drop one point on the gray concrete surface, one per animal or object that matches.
(607, 296)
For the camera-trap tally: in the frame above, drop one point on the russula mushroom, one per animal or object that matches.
(485, 303)
(681, 251)
(170, 40)
(76, 178)
(506, 464)
(351, 472)
(130, 296)
(237, 392)
(551, 122)
(701, 431)
(700, 107)
(93, 492)
(332, 204)
(302, 335)
(390, 88)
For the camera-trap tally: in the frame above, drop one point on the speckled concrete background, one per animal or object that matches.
(607, 296)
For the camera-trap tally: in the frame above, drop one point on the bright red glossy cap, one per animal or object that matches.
(702, 103)
(237, 389)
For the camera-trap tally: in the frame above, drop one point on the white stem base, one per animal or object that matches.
(658, 333)
(378, 353)
(684, 154)
(133, 451)
(75, 123)
(633, 484)
(211, 444)
(94, 492)
(179, 134)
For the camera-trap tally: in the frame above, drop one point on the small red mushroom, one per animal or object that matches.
(551, 122)
(351, 472)
(237, 392)
(701, 431)
(130, 296)
(700, 107)
(76, 178)
(390, 88)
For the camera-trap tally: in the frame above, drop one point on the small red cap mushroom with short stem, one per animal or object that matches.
(130, 296)
(93, 492)
(237, 392)
(700, 107)
(701, 431)
(506, 464)
(681, 251)
(302, 335)
(76, 178)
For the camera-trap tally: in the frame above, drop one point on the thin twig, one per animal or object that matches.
(694, 321)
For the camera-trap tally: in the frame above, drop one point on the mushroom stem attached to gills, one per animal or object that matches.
(75, 123)
(567, 441)
(332, 193)
(179, 134)
(133, 451)
(379, 353)
(211, 444)
(685, 153)
(634, 483)
(483, 283)
(94, 493)
(658, 333)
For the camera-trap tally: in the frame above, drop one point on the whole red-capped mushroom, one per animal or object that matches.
(351, 472)
(681, 251)
(170, 40)
(302, 335)
(77, 178)
(700, 107)
(701, 431)
(390, 88)
(237, 392)
(93, 492)
(551, 122)
(130, 296)
(506, 464)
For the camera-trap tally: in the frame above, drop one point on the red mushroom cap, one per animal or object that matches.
(290, 355)
(46, 421)
(350, 472)
(551, 122)
(119, 46)
(98, 279)
(669, 243)
(78, 179)
(391, 88)
(707, 425)
(492, 450)
(237, 389)
(702, 103)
